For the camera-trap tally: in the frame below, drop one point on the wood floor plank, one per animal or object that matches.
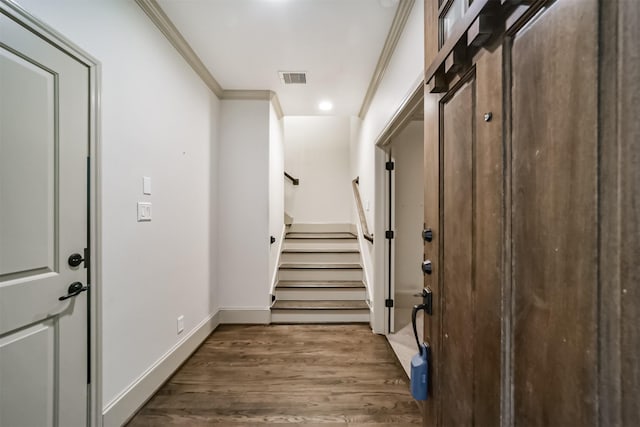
(323, 375)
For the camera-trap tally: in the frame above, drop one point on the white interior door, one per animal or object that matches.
(44, 134)
(408, 153)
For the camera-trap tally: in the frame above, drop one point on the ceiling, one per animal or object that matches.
(245, 43)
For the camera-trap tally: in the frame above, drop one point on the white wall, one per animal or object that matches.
(244, 205)
(158, 120)
(276, 189)
(317, 152)
(405, 70)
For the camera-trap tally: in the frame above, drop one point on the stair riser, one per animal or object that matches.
(322, 228)
(289, 244)
(319, 316)
(328, 274)
(320, 294)
(315, 242)
(320, 257)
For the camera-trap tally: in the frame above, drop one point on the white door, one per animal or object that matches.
(44, 128)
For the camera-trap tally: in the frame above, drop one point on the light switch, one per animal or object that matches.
(144, 211)
(146, 185)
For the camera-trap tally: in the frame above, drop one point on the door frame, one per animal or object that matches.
(385, 206)
(390, 244)
(94, 327)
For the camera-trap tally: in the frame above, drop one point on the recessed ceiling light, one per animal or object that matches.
(325, 106)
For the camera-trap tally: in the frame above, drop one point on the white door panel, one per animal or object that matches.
(27, 217)
(27, 358)
(44, 131)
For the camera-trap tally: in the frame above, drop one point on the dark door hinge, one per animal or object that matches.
(388, 303)
(87, 257)
(389, 234)
(389, 166)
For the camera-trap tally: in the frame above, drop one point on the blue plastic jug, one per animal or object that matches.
(420, 373)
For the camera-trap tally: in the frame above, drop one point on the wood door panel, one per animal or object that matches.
(432, 249)
(457, 268)
(488, 247)
(629, 211)
(619, 210)
(554, 146)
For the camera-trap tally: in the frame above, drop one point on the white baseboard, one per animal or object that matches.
(252, 315)
(125, 405)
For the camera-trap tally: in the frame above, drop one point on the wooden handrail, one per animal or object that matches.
(363, 219)
(295, 181)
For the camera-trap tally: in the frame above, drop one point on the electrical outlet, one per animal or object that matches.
(180, 324)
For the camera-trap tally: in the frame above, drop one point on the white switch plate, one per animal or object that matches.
(146, 185)
(144, 211)
(180, 324)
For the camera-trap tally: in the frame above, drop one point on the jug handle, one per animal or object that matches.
(413, 322)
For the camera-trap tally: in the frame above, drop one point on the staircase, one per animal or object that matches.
(320, 277)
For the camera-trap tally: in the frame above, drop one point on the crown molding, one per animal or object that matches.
(164, 24)
(397, 27)
(166, 27)
(276, 105)
(257, 95)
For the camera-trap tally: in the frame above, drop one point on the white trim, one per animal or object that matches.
(245, 315)
(95, 152)
(275, 101)
(166, 27)
(127, 403)
(255, 95)
(403, 115)
(397, 27)
(274, 278)
(171, 32)
(390, 247)
(378, 257)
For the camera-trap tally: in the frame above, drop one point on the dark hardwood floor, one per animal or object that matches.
(328, 375)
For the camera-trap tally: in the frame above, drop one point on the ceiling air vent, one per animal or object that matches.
(293, 77)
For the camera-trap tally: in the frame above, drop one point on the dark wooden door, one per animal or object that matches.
(467, 359)
(531, 189)
(554, 217)
(456, 295)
